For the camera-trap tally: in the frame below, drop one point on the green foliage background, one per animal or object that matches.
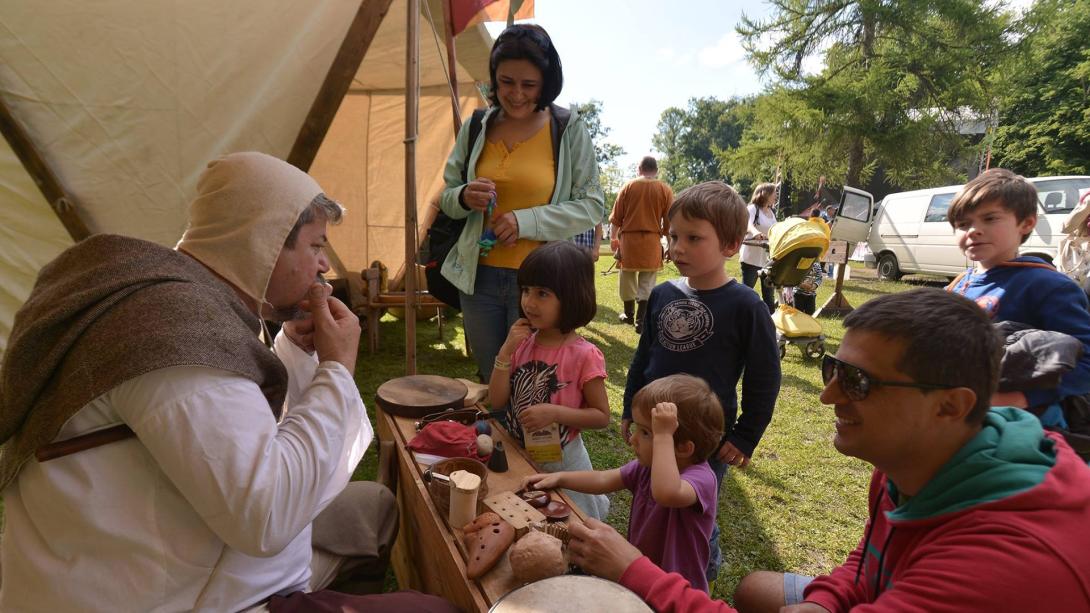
(1044, 118)
(908, 94)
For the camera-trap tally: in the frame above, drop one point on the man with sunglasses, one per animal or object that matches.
(972, 508)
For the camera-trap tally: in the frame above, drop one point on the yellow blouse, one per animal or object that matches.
(525, 177)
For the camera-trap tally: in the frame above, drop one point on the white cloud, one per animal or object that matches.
(673, 57)
(725, 52)
(813, 64)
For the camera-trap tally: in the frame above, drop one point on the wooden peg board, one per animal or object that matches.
(513, 509)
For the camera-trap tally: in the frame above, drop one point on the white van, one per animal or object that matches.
(908, 233)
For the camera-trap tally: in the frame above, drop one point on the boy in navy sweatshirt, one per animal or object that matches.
(709, 325)
(992, 216)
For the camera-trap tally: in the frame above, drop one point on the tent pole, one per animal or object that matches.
(337, 80)
(452, 66)
(324, 108)
(412, 93)
(62, 204)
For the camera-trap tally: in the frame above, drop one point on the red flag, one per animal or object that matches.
(465, 13)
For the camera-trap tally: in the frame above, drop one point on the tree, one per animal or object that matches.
(691, 139)
(613, 179)
(669, 140)
(605, 151)
(900, 79)
(1044, 114)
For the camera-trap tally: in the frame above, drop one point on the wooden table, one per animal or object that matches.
(426, 556)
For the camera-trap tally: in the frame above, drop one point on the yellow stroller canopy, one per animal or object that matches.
(795, 232)
(794, 245)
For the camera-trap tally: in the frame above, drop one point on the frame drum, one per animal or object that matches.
(581, 593)
(418, 395)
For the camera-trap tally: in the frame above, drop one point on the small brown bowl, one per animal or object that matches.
(535, 498)
(556, 511)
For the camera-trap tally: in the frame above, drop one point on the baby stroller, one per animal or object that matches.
(794, 244)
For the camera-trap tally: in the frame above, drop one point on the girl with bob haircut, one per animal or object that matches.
(546, 372)
(527, 175)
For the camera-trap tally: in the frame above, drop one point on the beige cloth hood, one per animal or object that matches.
(246, 205)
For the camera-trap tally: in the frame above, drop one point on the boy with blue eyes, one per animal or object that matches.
(708, 325)
(992, 216)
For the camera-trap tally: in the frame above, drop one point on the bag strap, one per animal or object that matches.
(958, 278)
(475, 125)
(561, 117)
(1029, 265)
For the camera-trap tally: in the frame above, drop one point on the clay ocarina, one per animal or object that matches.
(479, 522)
(555, 511)
(486, 538)
(535, 498)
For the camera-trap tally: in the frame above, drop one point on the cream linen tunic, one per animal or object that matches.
(209, 509)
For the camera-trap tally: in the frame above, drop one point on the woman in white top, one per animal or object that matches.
(753, 258)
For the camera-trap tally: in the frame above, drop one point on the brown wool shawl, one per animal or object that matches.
(108, 310)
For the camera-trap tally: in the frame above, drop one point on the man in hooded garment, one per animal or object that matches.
(191, 457)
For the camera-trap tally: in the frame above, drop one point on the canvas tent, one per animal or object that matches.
(127, 100)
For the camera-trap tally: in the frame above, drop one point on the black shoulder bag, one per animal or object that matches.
(443, 235)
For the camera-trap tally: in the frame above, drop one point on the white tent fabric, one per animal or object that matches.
(127, 100)
(30, 236)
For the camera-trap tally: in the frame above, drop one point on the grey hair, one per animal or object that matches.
(322, 206)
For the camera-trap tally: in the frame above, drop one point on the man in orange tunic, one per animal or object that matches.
(639, 222)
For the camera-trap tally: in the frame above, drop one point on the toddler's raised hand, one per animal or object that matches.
(664, 418)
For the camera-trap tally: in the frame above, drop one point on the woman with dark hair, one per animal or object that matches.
(530, 176)
(753, 258)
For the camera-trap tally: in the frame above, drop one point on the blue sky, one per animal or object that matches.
(640, 57)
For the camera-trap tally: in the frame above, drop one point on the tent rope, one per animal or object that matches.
(438, 48)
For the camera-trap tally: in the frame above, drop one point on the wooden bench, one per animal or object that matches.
(376, 300)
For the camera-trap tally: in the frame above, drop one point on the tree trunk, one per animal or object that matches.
(855, 151)
(855, 162)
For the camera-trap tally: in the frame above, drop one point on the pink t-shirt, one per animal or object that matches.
(555, 375)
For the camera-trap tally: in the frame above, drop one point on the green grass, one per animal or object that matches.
(800, 506)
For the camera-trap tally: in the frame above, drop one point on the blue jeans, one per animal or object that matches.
(751, 277)
(715, 555)
(489, 313)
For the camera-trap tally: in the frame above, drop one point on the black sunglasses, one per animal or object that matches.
(856, 383)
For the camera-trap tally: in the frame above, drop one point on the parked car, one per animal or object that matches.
(908, 233)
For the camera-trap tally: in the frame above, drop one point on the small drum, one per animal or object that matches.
(419, 395)
(571, 593)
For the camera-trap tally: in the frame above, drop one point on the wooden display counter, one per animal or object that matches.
(427, 557)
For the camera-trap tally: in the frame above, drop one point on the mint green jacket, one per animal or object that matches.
(577, 205)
